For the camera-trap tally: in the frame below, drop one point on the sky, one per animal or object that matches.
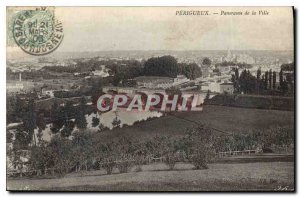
(159, 28)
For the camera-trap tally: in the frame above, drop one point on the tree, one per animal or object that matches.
(82, 145)
(41, 158)
(167, 66)
(56, 118)
(101, 127)
(22, 139)
(117, 79)
(80, 120)
(161, 66)
(290, 81)
(207, 96)
(288, 67)
(258, 74)
(41, 124)
(60, 154)
(270, 79)
(65, 113)
(124, 151)
(258, 81)
(68, 128)
(170, 150)
(97, 85)
(116, 121)
(266, 80)
(68, 110)
(19, 107)
(198, 145)
(95, 121)
(29, 120)
(191, 71)
(235, 80)
(236, 73)
(109, 157)
(263, 81)
(57, 125)
(280, 78)
(95, 95)
(283, 84)
(247, 82)
(284, 87)
(206, 61)
(122, 73)
(274, 80)
(21, 142)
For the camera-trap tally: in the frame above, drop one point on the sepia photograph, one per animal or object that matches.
(153, 99)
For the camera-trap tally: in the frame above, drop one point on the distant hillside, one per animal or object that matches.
(227, 119)
(253, 101)
(57, 54)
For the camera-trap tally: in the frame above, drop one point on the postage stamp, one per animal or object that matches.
(37, 32)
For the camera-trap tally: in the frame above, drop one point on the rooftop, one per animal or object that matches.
(226, 84)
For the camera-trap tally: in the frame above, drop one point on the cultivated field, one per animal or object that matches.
(157, 177)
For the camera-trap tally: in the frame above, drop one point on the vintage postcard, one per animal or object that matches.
(150, 99)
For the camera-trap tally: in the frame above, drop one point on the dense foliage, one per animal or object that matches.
(86, 150)
(266, 83)
(169, 67)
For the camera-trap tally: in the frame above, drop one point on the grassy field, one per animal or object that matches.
(254, 101)
(156, 177)
(227, 119)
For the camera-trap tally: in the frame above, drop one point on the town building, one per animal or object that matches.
(181, 79)
(211, 86)
(154, 82)
(226, 87)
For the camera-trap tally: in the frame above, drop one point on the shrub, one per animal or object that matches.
(139, 160)
(199, 146)
(95, 121)
(108, 165)
(124, 166)
(138, 169)
(170, 160)
(199, 160)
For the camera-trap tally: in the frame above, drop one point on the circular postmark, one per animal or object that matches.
(37, 32)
